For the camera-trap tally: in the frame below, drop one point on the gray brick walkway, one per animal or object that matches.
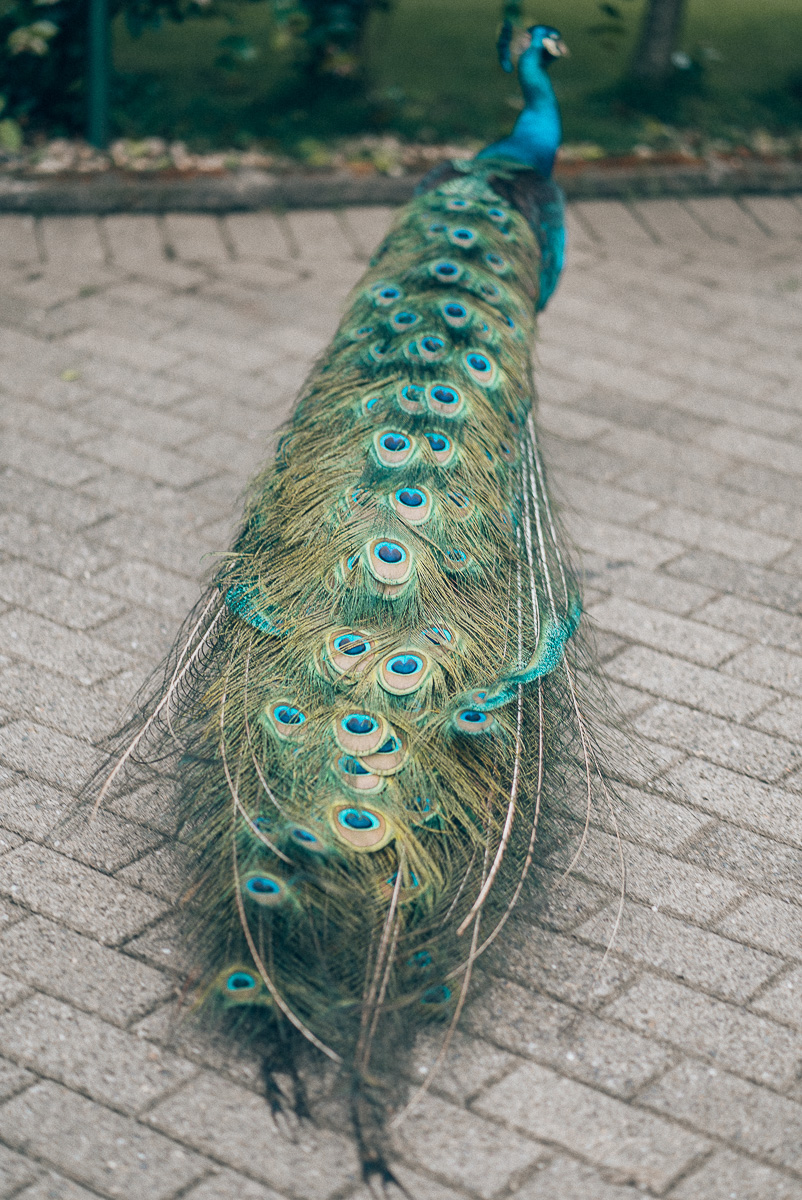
(145, 363)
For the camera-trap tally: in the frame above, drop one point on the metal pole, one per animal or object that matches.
(99, 61)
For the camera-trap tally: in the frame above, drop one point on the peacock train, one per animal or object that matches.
(378, 696)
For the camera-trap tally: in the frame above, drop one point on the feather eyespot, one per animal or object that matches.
(240, 981)
(497, 214)
(264, 890)
(348, 650)
(462, 236)
(437, 227)
(405, 319)
(357, 776)
(490, 292)
(393, 449)
(472, 721)
(389, 757)
(480, 368)
(378, 351)
(507, 452)
(286, 720)
(371, 404)
(411, 398)
(439, 635)
(309, 841)
(361, 828)
(389, 561)
(431, 348)
(441, 447)
(460, 506)
(457, 203)
(445, 271)
(444, 399)
(456, 560)
(413, 505)
(404, 672)
(421, 959)
(456, 314)
(496, 262)
(360, 732)
(362, 332)
(387, 294)
(436, 995)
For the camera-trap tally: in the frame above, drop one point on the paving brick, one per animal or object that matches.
(783, 1000)
(652, 820)
(13, 1078)
(696, 495)
(111, 1153)
(47, 645)
(737, 798)
(142, 386)
(673, 635)
(556, 1035)
(75, 605)
(89, 1055)
(751, 582)
(88, 712)
(716, 1102)
(763, 483)
(694, 529)
(652, 588)
(165, 946)
(80, 970)
(55, 1187)
(557, 965)
(469, 1066)
(764, 451)
(228, 1185)
(674, 679)
(729, 745)
(195, 238)
(700, 1025)
(763, 862)
(127, 453)
(566, 1179)
(84, 899)
(43, 461)
(655, 939)
(11, 990)
(463, 1148)
(235, 1126)
(15, 1172)
(659, 880)
(47, 755)
(635, 1145)
(764, 921)
(155, 587)
(768, 665)
(67, 554)
(45, 502)
(727, 1174)
(163, 872)
(622, 544)
(754, 621)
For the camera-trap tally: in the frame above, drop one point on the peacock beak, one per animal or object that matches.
(556, 47)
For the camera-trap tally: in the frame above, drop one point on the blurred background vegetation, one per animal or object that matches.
(290, 75)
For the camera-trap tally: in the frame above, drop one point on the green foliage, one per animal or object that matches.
(325, 36)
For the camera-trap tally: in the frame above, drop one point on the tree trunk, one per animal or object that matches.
(658, 39)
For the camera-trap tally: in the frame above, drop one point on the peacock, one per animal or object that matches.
(378, 695)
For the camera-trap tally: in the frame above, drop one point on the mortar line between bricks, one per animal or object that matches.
(57, 1168)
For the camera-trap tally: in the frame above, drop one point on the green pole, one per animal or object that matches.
(99, 56)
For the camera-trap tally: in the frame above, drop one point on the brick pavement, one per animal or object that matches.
(146, 362)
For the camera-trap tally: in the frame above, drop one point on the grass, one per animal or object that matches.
(434, 76)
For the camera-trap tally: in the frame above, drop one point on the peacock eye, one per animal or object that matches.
(390, 552)
(437, 442)
(405, 664)
(240, 981)
(304, 836)
(410, 497)
(358, 818)
(350, 644)
(287, 714)
(360, 724)
(394, 442)
(436, 995)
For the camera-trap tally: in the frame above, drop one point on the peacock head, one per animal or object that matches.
(547, 43)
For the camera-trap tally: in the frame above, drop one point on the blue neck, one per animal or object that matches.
(538, 131)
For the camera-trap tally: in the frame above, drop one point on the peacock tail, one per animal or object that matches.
(378, 697)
